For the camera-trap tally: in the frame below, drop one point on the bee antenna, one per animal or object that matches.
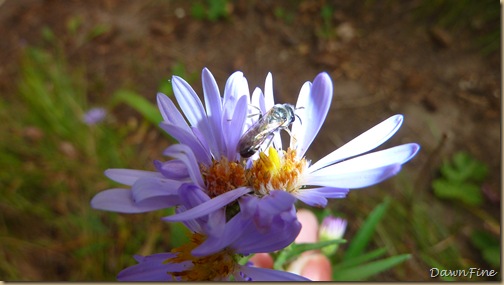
(301, 122)
(255, 107)
(258, 109)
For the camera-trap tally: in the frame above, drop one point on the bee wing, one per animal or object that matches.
(269, 130)
(255, 136)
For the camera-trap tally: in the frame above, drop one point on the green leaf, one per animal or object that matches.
(466, 192)
(461, 177)
(165, 87)
(179, 69)
(463, 168)
(198, 11)
(178, 234)
(435, 264)
(491, 255)
(482, 239)
(244, 259)
(366, 232)
(97, 31)
(360, 259)
(148, 110)
(295, 249)
(326, 12)
(217, 9)
(73, 24)
(299, 248)
(48, 34)
(89, 249)
(363, 272)
(489, 246)
(178, 231)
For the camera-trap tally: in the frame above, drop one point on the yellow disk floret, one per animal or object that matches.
(215, 267)
(276, 172)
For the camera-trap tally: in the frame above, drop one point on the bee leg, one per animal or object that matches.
(270, 138)
(293, 137)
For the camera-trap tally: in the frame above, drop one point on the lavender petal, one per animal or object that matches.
(146, 188)
(394, 155)
(187, 138)
(184, 153)
(209, 206)
(213, 103)
(121, 201)
(170, 112)
(264, 274)
(172, 169)
(153, 268)
(357, 179)
(315, 111)
(129, 176)
(234, 128)
(189, 102)
(367, 141)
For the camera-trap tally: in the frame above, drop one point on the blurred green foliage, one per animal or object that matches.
(52, 165)
(284, 14)
(327, 29)
(419, 224)
(148, 110)
(461, 179)
(212, 10)
(459, 13)
(358, 265)
(489, 247)
(353, 263)
(482, 16)
(178, 69)
(293, 251)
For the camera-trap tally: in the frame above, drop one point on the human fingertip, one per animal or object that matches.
(317, 268)
(262, 260)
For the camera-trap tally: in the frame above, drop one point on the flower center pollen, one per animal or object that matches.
(275, 172)
(223, 176)
(215, 267)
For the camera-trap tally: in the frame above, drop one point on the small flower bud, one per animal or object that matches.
(331, 228)
(94, 116)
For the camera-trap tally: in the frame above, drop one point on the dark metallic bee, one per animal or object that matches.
(279, 117)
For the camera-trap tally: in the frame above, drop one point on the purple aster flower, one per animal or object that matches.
(206, 155)
(160, 267)
(94, 116)
(216, 245)
(330, 177)
(341, 170)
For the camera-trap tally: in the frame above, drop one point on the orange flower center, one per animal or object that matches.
(223, 176)
(215, 267)
(275, 172)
